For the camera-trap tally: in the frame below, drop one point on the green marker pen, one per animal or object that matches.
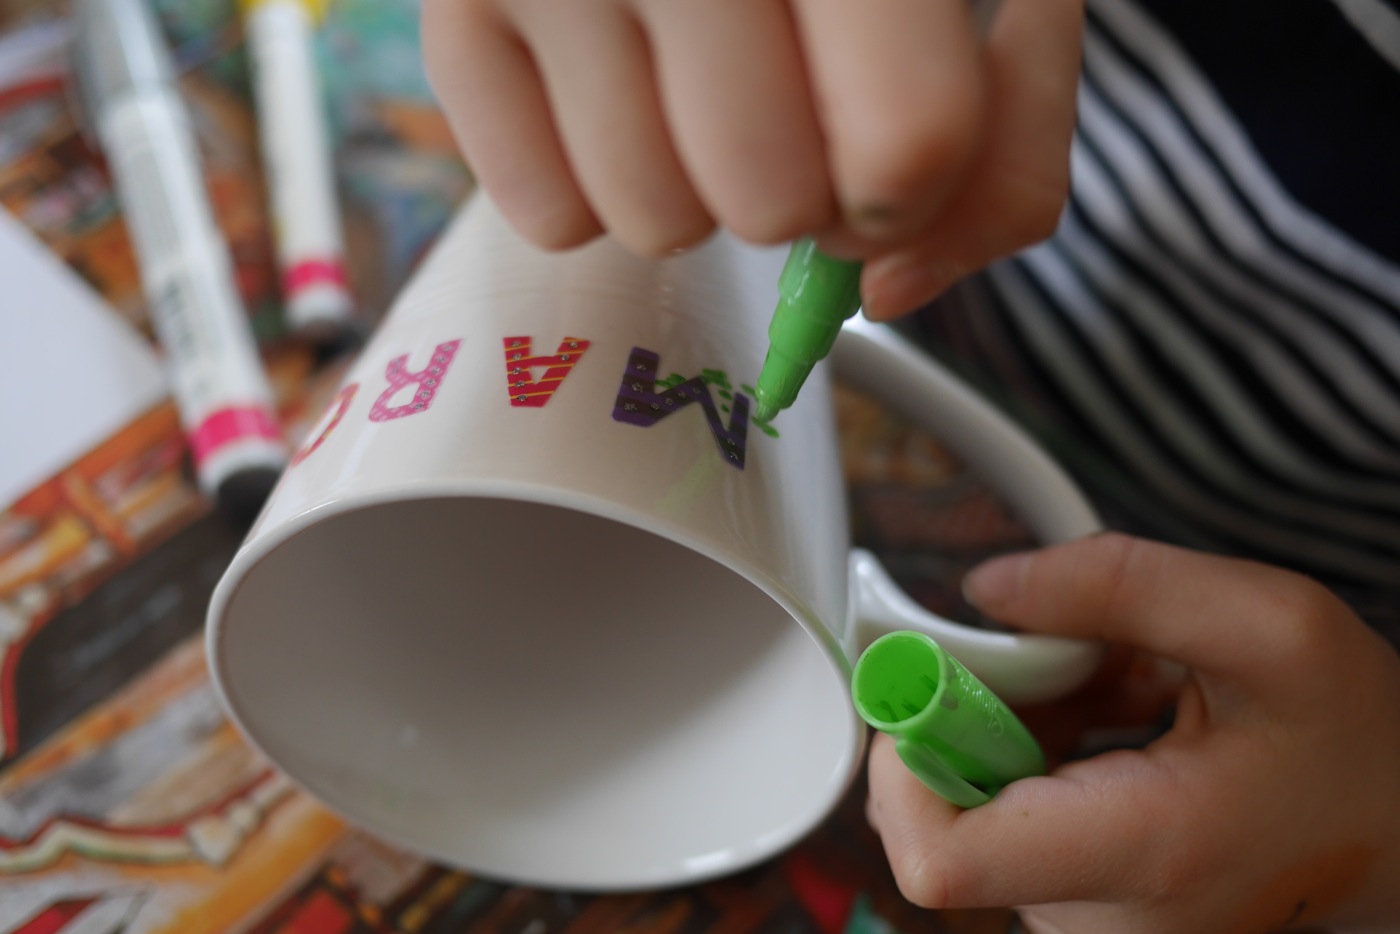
(949, 729)
(816, 294)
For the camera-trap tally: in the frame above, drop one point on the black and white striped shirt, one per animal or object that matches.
(1211, 339)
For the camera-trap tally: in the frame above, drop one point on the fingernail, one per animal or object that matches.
(901, 284)
(997, 581)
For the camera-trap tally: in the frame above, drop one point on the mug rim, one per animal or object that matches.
(260, 546)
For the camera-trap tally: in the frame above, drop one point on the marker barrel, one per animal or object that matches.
(300, 169)
(221, 391)
(816, 294)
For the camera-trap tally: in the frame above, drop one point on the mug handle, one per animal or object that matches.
(1021, 669)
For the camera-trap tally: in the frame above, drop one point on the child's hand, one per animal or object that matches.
(1274, 800)
(887, 128)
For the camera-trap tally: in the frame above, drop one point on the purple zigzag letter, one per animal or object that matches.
(638, 403)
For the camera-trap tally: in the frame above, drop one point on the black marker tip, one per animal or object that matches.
(242, 494)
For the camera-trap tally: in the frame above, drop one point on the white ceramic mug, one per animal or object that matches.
(536, 600)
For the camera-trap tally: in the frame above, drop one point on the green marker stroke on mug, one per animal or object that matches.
(816, 294)
(958, 737)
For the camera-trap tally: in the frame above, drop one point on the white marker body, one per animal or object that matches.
(225, 402)
(300, 171)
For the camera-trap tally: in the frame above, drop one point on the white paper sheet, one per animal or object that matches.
(72, 372)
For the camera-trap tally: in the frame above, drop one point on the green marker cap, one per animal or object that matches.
(816, 294)
(949, 729)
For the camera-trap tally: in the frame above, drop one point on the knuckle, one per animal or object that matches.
(1181, 859)
(767, 222)
(1117, 561)
(1028, 206)
(933, 880)
(904, 157)
(557, 230)
(446, 27)
(1181, 863)
(1173, 870)
(924, 882)
(1036, 217)
(662, 239)
(437, 54)
(1307, 616)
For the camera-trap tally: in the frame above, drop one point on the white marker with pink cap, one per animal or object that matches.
(297, 157)
(226, 404)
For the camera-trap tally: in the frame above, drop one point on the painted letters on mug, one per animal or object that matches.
(525, 390)
(638, 403)
(427, 381)
(642, 399)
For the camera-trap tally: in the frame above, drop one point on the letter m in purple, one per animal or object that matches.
(638, 403)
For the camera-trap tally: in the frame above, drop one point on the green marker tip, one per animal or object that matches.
(816, 294)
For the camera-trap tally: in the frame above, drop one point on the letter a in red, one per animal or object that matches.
(525, 390)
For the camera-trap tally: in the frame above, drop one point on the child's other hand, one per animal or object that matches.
(1273, 801)
(888, 129)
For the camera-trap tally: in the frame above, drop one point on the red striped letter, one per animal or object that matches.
(525, 390)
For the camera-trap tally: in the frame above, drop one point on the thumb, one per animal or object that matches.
(1238, 620)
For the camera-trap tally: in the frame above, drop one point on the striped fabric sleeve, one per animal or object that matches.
(1211, 338)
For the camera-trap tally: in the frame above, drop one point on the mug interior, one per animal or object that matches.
(536, 693)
